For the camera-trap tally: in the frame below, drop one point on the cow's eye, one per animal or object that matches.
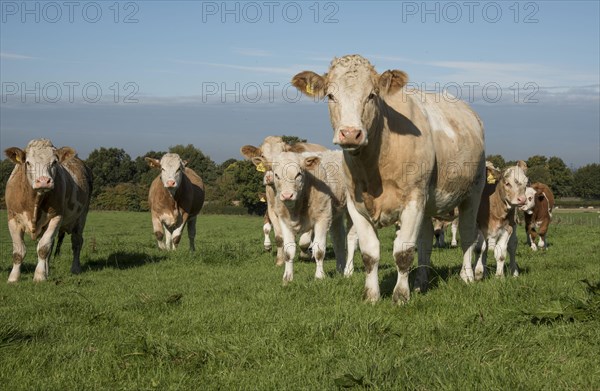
(331, 97)
(508, 184)
(371, 96)
(276, 176)
(299, 175)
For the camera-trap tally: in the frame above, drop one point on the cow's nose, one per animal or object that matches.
(350, 135)
(170, 183)
(521, 200)
(286, 196)
(43, 182)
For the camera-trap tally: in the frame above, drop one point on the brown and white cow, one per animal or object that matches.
(271, 146)
(310, 195)
(496, 219)
(408, 156)
(538, 214)
(176, 197)
(48, 193)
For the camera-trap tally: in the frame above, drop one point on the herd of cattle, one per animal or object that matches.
(408, 159)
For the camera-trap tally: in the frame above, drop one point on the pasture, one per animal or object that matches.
(138, 318)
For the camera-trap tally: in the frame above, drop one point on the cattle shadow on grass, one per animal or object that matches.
(122, 260)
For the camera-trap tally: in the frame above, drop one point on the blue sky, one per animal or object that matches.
(144, 75)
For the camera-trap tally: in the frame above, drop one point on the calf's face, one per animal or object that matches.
(515, 181)
(289, 175)
(530, 200)
(171, 170)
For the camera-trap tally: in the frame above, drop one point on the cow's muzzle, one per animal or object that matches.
(351, 137)
(43, 183)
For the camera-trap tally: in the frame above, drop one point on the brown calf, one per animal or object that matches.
(538, 214)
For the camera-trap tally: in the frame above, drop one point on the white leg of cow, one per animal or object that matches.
(468, 231)
(512, 252)
(411, 220)
(267, 231)
(454, 229)
(481, 252)
(351, 242)
(338, 237)
(44, 248)
(176, 235)
(532, 243)
(424, 254)
(304, 243)
(159, 232)
(542, 242)
(369, 247)
(319, 246)
(500, 252)
(168, 239)
(289, 251)
(280, 258)
(19, 250)
(191, 228)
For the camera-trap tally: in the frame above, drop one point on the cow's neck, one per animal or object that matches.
(499, 198)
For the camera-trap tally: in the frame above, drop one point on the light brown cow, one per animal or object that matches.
(310, 195)
(538, 214)
(176, 197)
(496, 219)
(271, 146)
(48, 193)
(408, 156)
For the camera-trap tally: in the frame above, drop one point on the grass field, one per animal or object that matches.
(139, 319)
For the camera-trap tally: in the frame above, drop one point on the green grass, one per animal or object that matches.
(139, 319)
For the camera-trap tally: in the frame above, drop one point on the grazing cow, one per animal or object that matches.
(271, 146)
(48, 193)
(408, 155)
(176, 197)
(310, 195)
(439, 230)
(496, 218)
(538, 213)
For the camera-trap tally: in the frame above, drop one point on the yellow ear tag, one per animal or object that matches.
(309, 89)
(262, 199)
(261, 167)
(491, 179)
(17, 159)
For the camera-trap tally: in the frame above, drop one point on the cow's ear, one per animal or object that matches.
(260, 163)
(65, 153)
(311, 162)
(309, 83)
(250, 151)
(297, 148)
(153, 163)
(185, 163)
(522, 165)
(15, 154)
(391, 81)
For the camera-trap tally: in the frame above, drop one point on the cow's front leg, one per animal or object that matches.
(267, 231)
(304, 243)
(481, 253)
(192, 233)
(351, 242)
(319, 246)
(44, 248)
(338, 237)
(289, 251)
(19, 250)
(424, 253)
(512, 252)
(500, 251)
(369, 247)
(159, 232)
(404, 248)
(176, 235)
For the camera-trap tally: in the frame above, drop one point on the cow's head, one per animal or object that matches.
(262, 156)
(289, 174)
(40, 160)
(530, 195)
(514, 181)
(171, 167)
(354, 90)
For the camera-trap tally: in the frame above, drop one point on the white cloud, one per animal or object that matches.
(14, 56)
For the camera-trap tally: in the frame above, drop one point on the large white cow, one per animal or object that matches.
(409, 156)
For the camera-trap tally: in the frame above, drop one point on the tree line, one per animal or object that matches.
(122, 183)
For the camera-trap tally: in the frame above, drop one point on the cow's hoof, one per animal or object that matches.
(370, 296)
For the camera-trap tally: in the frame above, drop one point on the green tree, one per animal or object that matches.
(497, 160)
(539, 173)
(110, 167)
(123, 197)
(291, 140)
(561, 177)
(586, 181)
(537, 160)
(144, 174)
